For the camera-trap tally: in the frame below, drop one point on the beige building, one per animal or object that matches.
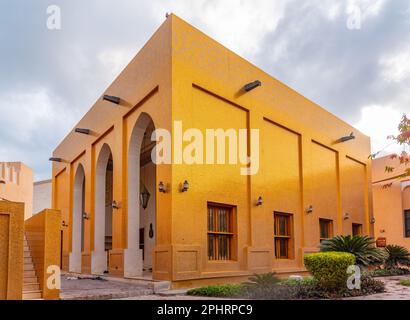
(16, 184)
(391, 202)
(41, 195)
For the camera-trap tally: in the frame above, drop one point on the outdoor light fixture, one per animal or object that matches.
(372, 220)
(309, 209)
(346, 216)
(115, 205)
(185, 186)
(144, 197)
(161, 187)
(86, 216)
(64, 224)
(259, 202)
(347, 138)
(253, 85)
(82, 131)
(55, 159)
(151, 231)
(113, 99)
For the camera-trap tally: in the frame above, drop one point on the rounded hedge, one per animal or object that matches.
(330, 268)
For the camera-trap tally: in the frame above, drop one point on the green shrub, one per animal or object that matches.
(405, 282)
(363, 248)
(227, 290)
(329, 268)
(396, 256)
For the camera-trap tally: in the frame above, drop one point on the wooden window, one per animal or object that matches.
(283, 228)
(357, 229)
(220, 232)
(407, 223)
(326, 229)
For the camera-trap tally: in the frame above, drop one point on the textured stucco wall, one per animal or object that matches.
(42, 195)
(11, 250)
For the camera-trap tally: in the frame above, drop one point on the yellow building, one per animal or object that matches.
(309, 183)
(391, 201)
(16, 184)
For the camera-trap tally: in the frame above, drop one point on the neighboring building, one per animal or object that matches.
(311, 184)
(42, 195)
(16, 184)
(391, 201)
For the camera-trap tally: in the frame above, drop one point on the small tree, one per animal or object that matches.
(396, 256)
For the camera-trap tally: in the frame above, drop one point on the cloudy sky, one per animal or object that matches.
(49, 79)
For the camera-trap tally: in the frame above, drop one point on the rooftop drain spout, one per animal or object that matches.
(53, 159)
(347, 138)
(113, 99)
(82, 131)
(253, 85)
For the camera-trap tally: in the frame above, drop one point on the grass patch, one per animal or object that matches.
(222, 291)
(405, 282)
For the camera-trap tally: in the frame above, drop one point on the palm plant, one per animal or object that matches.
(263, 281)
(396, 256)
(362, 247)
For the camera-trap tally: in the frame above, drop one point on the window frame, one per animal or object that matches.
(232, 234)
(289, 237)
(329, 227)
(406, 223)
(359, 226)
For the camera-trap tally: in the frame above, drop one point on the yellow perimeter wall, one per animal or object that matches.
(11, 250)
(43, 232)
(183, 75)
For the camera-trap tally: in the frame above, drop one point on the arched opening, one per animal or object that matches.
(141, 200)
(103, 211)
(78, 220)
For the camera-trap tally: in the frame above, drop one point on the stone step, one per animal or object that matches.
(28, 260)
(31, 287)
(33, 294)
(28, 267)
(32, 279)
(29, 273)
(27, 254)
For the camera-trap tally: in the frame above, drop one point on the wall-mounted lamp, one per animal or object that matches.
(53, 159)
(382, 231)
(348, 138)
(144, 197)
(86, 216)
(253, 85)
(151, 231)
(82, 131)
(64, 224)
(185, 186)
(373, 220)
(115, 205)
(162, 188)
(346, 216)
(113, 99)
(309, 210)
(259, 202)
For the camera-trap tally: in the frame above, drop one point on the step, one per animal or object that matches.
(28, 260)
(29, 273)
(27, 254)
(29, 267)
(30, 280)
(34, 294)
(31, 286)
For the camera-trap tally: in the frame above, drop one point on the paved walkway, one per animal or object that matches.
(394, 290)
(94, 288)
